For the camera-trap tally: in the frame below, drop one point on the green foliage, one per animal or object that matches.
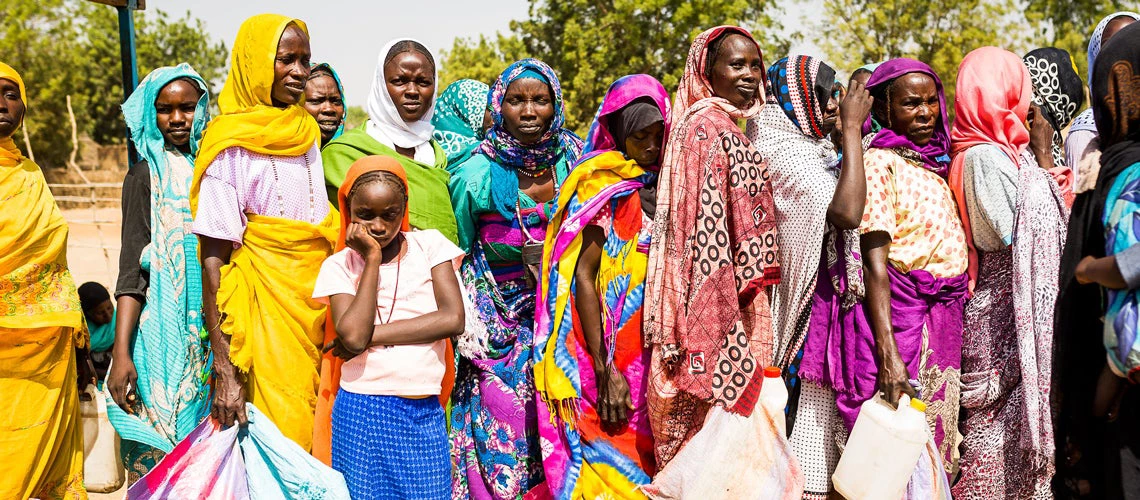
(1068, 24)
(591, 43)
(34, 39)
(938, 32)
(71, 48)
(160, 41)
(481, 59)
(356, 117)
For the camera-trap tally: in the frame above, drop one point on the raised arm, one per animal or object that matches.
(846, 208)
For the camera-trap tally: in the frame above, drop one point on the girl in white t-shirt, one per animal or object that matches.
(394, 298)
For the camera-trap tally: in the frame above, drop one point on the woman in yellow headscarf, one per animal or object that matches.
(41, 326)
(265, 225)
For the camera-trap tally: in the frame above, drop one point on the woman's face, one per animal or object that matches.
(914, 107)
(174, 111)
(1116, 24)
(736, 71)
(488, 120)
(830, 108)
(528, 110)
(291, 67)
(324, 102)
(410, 79)
(11, 108)
(644, 146)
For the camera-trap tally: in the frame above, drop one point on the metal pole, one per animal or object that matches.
(130, 62)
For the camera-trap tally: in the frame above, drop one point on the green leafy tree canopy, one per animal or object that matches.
(591, 43)
(71, 48)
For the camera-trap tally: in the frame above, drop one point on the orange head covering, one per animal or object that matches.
(9, 155)
(374, 163)
(331, 365)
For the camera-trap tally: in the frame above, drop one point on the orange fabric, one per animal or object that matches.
(994, 91)
(331, 365)
(374, 163)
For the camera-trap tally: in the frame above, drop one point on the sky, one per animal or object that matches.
(348, 34)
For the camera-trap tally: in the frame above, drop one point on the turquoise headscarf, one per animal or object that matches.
(339, 88)
(458, 119)
(169, 350)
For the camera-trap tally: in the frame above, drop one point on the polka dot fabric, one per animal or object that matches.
(916, 208)
(390, 447)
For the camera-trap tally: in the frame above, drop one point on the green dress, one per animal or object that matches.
(429, 205)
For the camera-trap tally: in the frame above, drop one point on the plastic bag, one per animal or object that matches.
(103, 470)
(732, 457)
(255, 462)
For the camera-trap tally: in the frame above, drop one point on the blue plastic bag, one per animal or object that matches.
(256, 462)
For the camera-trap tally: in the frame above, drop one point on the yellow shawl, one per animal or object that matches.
(36, 289)
(248, 118)
(276, 328)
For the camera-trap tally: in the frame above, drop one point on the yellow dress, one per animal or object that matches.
(41, 324)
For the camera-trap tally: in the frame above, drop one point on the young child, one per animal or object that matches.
(394, 298)
(100, 314)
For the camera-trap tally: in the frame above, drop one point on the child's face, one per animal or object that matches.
(102, 313)
(380, 209)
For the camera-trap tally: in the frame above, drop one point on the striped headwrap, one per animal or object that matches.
(801, 86)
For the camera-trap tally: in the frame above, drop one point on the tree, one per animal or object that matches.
(482, 59)
(71, 48)
(35, 39)
(1067, 24)
(591, 43)
(160, 41)
(938, 32)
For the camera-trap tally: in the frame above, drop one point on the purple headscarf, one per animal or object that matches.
(620, 94)
(936, 153)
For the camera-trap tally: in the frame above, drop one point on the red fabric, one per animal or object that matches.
(994, 91)
(713, 254)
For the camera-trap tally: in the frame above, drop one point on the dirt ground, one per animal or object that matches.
(93, 245)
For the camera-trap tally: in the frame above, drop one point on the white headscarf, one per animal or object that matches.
(384, 121)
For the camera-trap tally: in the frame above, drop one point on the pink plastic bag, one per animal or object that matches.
(206, 465)
(256, 462)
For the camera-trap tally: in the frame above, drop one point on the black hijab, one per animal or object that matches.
(638, 114)
(1079, 328)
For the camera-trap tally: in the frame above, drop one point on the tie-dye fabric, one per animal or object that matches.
(583, 459)
(580, 458)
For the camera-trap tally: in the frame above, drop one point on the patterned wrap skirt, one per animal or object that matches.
(389, 447)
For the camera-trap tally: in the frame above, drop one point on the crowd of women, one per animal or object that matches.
(463, 299)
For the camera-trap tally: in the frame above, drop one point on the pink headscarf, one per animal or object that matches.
(994, 92)
(695, 89)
